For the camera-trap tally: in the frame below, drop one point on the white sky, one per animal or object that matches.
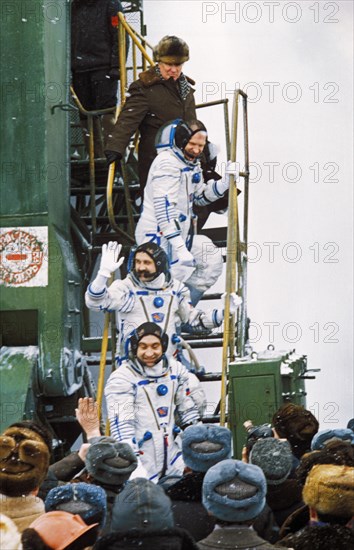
(295, 60)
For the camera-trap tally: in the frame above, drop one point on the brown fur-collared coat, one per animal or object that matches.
(151, 102)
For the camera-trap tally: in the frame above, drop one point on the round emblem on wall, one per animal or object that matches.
(21, 256)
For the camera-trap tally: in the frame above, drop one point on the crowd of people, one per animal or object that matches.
(293, 488)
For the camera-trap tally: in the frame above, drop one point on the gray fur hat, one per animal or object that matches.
(234, 491)
(274, 457)
(204, 445)
(171, 49)
(142, 505)
(109, 461)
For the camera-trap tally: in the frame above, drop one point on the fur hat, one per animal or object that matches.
(234, 491)
(141, 505)
(322, 438)
(204, 445)
(274, 457)
(86, 500)
(296, 424)
(329, 489)
(171, 49)
(10, 538)
(109, 461)
(39, 429)
(60, 529)
(24, 461)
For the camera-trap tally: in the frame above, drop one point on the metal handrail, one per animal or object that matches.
(233, 242)
(122, 63)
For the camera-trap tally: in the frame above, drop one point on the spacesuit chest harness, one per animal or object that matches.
(155, 408)
(157, 306)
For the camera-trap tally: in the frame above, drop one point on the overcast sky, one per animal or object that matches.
(294, 59)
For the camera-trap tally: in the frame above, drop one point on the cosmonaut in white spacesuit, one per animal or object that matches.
(142, 397)
(148, 293)
(175, 183)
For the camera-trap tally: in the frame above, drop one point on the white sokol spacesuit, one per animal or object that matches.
(142, 402)
(174, 185)
(162, 300)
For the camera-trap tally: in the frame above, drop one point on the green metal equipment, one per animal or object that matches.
(259, 385)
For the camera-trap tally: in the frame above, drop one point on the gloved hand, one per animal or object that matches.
(113, 156)
(235, 302)
(185, 258)
(114, 74)
(231, 168)
(110, 260)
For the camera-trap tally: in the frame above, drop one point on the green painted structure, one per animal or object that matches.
(35, 191)
(259, 386)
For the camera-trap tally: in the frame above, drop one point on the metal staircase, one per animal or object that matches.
(104, 206)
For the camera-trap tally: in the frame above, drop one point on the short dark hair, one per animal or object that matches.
(338, 452)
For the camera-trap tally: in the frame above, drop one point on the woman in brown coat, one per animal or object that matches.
(161, 93)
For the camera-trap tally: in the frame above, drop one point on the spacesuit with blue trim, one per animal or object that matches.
(142, 400)
(174, 185)
(162, 300)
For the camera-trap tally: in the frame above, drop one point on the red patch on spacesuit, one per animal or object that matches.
(114, 20)
(188, 391)
(157, 317)
(162, 411)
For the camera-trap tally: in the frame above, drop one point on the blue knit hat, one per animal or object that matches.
(204, 445)
(321, 438)
(141, 505)
(83, 499)
(234, 491)
(274, 457)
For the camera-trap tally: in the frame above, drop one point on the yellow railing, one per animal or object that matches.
(233, 254)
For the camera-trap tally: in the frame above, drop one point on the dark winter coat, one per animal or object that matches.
(70, 466)
(326, 537)
(168, 539)
(66, 468)
(151, 102)
(234, 538)
(284, 499)
(94, 34)
(188, 510)
(186, 497)
(296, 521)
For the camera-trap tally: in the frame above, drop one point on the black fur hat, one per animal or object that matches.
(171, 49)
